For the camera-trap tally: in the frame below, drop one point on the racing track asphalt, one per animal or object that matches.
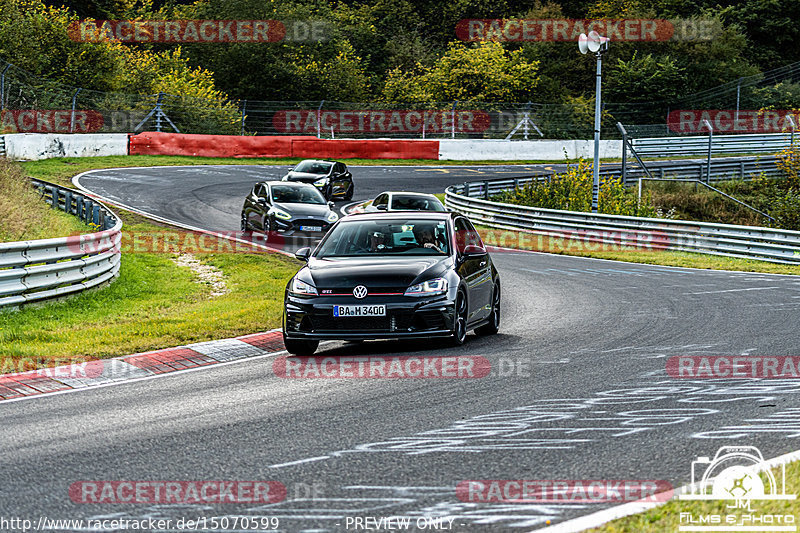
(587, 396)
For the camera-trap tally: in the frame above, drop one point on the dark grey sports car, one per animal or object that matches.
(287, 208)
(403, 274)
(331, 178)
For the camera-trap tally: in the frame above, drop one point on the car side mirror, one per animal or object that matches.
(382, 207)
(303, 253)
(263, 201)
(331, 204)
(473, 250)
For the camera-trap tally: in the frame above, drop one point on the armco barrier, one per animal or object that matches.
(153, 143)
(33, 271)
(35, 146)
(365, 149)
(766, 244)
(499, 150)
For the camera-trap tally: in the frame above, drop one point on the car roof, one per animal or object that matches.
(289, 183)
(318, 161)
(433, 215)
(408, 193)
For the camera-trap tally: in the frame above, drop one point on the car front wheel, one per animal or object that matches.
(460, 320)
(300, 347)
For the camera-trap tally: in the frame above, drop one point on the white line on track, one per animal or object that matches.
(734, 290)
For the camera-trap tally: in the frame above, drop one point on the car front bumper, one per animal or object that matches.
(406, 317)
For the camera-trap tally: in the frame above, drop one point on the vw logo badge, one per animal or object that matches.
(360, 291)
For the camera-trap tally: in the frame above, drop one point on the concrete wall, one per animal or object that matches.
(34, 146)
(468, 149)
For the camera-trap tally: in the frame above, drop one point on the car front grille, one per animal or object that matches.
(394, 321)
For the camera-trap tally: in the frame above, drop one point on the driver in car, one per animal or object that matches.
(426, 238)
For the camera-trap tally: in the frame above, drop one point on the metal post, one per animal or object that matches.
(319, 117)
(738, 92)
(424, 116)
(453, 128)
(640, 192)
(596, 169)
(72, 114)
(710, 140)
(158, 111)
(244, 108)
(3, 87)
(624, 132)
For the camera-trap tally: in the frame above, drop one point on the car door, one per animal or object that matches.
(340, 182)
(261, 202)
(475, 270)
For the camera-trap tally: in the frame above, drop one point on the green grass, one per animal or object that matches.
(153, 304)
(667, 516)
(24, 216)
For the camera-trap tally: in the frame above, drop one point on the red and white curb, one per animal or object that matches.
(141, 365)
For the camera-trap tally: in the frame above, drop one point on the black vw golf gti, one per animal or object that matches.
(401, 274)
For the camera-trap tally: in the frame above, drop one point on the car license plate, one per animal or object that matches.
(340, 311)
(310, 228)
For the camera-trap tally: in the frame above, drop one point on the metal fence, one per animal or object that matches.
(34, 104)
(774, 245)
(33, 271)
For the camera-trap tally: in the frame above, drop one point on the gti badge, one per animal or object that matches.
(360, 291)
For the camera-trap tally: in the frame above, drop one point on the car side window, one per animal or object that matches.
(466, 235)
(339, 168)
(382, 199)
(261, 191)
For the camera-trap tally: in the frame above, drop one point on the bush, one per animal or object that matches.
(572, 191)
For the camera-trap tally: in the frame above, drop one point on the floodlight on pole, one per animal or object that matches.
(596, 44)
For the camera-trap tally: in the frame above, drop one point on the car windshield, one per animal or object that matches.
(386, 237)
(288, 194)
(416, 203)
(313, 167)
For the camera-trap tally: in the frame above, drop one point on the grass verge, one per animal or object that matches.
(668, 516)
(24, 216)
(153, 304)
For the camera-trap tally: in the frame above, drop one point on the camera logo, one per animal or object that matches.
(737, 473)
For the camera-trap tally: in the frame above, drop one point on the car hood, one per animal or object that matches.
(377, 274)
(305, 177)
(305, 210)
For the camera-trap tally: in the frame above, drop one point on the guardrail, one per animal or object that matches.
(766, 244)
(32, 271)
(720, 171)
(720, 144)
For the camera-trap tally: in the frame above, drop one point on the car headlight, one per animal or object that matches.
(333, 217)
(303, 288)
(280, 213)
(428, 288)
(321, 182)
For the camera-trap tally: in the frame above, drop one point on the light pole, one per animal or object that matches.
(597, 44)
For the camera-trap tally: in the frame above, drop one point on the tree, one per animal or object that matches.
(484, 72)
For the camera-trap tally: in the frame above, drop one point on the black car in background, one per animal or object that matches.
(287, 208)
(332, 178)
(402, 274)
